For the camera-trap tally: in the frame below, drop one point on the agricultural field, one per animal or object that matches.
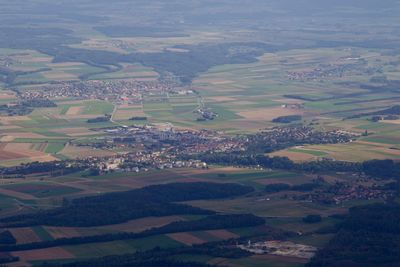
(249, 97)
(34, 192)
(245, 97)
(40, 68)
(102, 107)
(46, 132)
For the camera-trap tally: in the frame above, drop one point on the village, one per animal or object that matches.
(160, 146)
(114, 91)
(164, 138)
(330, 71)
(341, 192)
(281, 137)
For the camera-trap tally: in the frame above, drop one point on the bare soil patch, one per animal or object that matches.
(268, 114)
(59, 75)
(41, 147)
(177, 50)
(33, 59)
(12, 151)
(7, 95)
(246, 125)
(72, 111)
(222, 234)
(126, 114)
(242, 103)
(7, 120)
(132, 183)
(79, 116)
(391, 121)
(7, 155)
(16, 194)
(130, 106)
(140, 225)
(186, 238)
(76, 131)
(222, 82)
(24, 149)
(84, 152)
(26, 135)
(55, 253)
(62, 232)
(222, 98)
(45, 158)
(25, 235)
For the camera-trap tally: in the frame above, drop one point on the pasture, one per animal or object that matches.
(246, 97)
(284, 214)
(41, 190)
(337, 72)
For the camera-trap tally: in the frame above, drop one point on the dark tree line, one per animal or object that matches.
(382, 168)
(287, 119)
(112, 208)
(41, 167)
(6, 258)
(395, 110)
(385, 169)
(279, 187)
(368, 237)
(283, 163)
(104, 118)
(25, 107)
(6, 238)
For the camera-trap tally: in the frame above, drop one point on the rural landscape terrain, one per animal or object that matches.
(199, 133)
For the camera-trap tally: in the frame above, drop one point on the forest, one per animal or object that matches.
(287, 119)
(282, 163)
(25, 107)
(368, 237)
(384, 169)
(112, 208)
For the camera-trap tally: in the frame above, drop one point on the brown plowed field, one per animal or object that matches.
(186, 238)
(55, 253)
(25, 235)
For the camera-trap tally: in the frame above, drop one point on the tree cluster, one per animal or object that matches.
(368, 237)
(118, 207)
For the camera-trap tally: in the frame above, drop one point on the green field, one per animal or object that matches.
(97, 108)
(42, 190)
(334, 64)
(121, 247)
(311, 152)
(54, 148)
